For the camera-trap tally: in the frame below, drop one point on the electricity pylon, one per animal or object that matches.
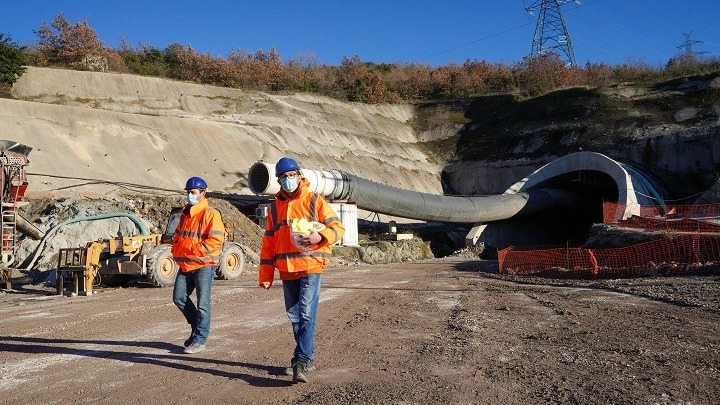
(551, 33)
(688, 45)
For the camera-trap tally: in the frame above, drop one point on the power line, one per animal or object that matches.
(472, 42)
(650, 44)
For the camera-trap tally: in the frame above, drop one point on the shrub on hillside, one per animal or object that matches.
(410, 82)
(688, 64)
(476, 74)
(12, 60)
(146, 60)
(636, 72)
(358, 82)
(305, 74)
(258, 71)
(540, 74)
(599, 75)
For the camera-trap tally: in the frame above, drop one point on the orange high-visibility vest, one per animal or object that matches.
(199, 237)
(279, 252)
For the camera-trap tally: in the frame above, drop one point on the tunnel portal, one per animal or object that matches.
(594, 179)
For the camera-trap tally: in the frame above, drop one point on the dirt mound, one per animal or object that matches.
(603, 236)
(70, 222)
(374, 252)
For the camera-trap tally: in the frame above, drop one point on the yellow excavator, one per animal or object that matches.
(80, 269)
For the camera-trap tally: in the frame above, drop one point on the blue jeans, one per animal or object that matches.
(301, 303)
(198, 317)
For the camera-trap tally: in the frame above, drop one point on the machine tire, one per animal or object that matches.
(232, 262)
(161, 267)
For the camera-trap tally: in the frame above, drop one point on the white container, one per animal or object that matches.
(347, 212)
(261, 213)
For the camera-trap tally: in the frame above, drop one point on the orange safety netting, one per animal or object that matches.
(673, 254)
(686, 218)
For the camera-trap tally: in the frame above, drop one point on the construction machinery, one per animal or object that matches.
(80, 269)
(13, 183)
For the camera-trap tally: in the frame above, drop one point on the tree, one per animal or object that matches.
(11, 60)
(74, 45)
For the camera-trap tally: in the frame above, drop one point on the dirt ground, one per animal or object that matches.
(439, 331)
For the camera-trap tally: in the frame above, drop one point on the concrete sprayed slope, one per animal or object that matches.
(153, 132)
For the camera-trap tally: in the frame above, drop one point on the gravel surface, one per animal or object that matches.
(437, 331)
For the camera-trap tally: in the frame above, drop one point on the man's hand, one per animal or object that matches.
(312, 239)
(266, 285)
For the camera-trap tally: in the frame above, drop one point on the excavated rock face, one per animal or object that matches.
(95, 134)
(671, 129)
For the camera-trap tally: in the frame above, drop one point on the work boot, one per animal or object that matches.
(299, 372)
(188, 341)
(310, 366)
(194, 347)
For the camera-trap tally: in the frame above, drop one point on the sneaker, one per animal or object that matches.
(188, 341)
(194, 347)
(299, 372)
(310, 366)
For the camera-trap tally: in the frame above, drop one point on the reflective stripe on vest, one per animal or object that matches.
(313, 203)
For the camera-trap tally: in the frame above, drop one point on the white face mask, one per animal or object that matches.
(289, 184)
(192, 199)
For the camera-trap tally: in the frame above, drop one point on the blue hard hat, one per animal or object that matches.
(195, 182)
(285, 164)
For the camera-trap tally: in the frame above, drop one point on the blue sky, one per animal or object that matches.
(420, 31)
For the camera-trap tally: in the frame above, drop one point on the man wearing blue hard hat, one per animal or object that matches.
(299, 256)
(196, 247)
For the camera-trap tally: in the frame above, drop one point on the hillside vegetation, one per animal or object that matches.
(62, 43)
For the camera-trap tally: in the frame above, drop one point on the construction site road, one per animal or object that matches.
(437, 331)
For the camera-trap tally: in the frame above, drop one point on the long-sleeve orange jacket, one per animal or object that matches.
(199, 237)
(279, 252)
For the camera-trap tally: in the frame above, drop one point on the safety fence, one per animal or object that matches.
(685, 218)
(678, 253)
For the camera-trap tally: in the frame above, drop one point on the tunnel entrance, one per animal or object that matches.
(571, 226)
(563, 225)
(594, 188)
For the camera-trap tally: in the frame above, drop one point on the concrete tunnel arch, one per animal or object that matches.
(634, 187)
(596, 177)
(554, 188)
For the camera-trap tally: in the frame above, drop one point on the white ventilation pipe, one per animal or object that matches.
(389, 200)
